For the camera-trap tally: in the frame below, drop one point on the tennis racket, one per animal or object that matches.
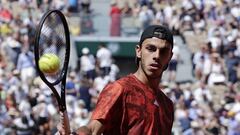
(52, 36)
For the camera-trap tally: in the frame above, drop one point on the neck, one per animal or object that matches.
(151, 82)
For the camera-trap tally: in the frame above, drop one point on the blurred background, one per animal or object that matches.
(202, 78)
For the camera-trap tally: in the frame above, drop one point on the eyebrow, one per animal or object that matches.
(165, 47)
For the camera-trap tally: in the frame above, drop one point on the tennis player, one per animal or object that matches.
(134, 104)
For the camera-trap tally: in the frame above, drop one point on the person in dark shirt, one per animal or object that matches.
(135, 104)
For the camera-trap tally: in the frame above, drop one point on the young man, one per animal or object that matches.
(134, 104)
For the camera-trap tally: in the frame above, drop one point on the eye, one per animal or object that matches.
(151, 48)
(164, 50)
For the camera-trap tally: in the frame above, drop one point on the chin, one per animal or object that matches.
(154, 74)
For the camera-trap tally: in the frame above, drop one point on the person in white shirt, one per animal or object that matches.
(104, 59)
(113, 74)
(198, 61)
(214, 71)
(26, 66)
(87, 64)
(100, 82)
(202, 94)
(146, 16)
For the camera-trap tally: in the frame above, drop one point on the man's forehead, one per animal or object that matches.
(156, 41)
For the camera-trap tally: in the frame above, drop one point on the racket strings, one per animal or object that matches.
(53, 40)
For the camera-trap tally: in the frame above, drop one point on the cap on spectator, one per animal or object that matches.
(72, 74)
(194, 103)
(85, 50)
(81, 102)
(158, 31)
(194, 124)
(16, 72)
(215, 55)
(165, 83)
(230, 38)
(217, 32)
(41, 98)
(13, 112)
(187, 18)
(231, 113)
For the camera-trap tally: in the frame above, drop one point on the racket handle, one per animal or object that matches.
(65, 123)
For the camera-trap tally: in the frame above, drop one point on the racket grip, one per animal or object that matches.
(65, 123)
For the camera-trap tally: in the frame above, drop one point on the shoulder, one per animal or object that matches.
(121, 84)
(126, 80)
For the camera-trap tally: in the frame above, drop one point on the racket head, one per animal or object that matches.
(53, 37)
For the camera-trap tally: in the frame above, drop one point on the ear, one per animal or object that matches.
(138, 51)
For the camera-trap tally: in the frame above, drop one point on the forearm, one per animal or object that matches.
(84, 130)
(95, 127)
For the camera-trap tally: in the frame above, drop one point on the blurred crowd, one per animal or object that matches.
(207, 105)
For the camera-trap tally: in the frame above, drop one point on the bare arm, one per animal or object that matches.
(95, 127)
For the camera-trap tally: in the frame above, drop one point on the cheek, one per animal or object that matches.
(146, 57)
(167, 60)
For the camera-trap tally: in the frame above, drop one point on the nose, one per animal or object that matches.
(156, 55)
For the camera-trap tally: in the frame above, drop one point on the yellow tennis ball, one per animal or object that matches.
(49, 63)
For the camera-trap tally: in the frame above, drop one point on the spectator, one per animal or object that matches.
(182, 117)
(104, 59)
(114, 70)
(84, 92)
(178, 92)
(86, 6)
(24, 125)
(232, 62)
(100, 81)
(42, 114)
(87, 66)
(5, 15)
(115, 14)
(172, 68)
(202, 94)
(25, 65)
(237, 51)
(71, 91)
(198, 61)
(3, 63)
(126, 11)
(73, 6)
(214, 71)
(215, 40)
(5, 119)
(81, 114)
(146, 17)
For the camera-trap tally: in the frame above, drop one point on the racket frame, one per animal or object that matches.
(63, 75)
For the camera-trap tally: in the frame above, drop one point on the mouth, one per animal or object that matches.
(154, 66)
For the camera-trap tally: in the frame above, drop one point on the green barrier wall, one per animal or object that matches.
(120, 47)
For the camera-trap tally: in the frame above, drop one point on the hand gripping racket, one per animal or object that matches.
(52, 37)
